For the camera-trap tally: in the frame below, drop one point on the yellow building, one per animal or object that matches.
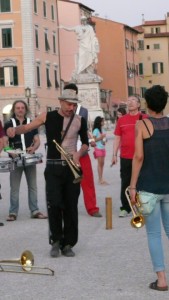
(153, 50)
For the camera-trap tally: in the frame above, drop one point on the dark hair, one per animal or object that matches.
(71, 86)
(97, 123)
(121, 110)
(12, 112)
(156, 98)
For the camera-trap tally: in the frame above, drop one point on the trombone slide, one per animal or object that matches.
(11, 268)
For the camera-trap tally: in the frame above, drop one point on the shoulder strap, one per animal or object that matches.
(22, 135)
(146, 127)
(13, 122)
(140, 116)
(67, 128)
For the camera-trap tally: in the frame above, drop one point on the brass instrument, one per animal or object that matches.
(138, 219)
(76, 170)
(26, 261)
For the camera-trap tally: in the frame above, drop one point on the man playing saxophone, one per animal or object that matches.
(64, 127)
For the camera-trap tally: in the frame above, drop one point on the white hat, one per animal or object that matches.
(69, 95)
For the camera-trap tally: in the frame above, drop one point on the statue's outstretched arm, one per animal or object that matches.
(67, 28)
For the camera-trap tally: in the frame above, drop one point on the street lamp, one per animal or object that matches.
(28, 94)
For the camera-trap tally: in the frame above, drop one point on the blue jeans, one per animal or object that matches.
(15, 180)
(153, 228)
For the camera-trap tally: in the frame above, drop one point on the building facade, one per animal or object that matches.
(118, 62)
(153, 49)
(29, 58)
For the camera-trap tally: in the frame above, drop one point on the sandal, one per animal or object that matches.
(102, 182)
(11, 217)
(154, 286)
(39, 215)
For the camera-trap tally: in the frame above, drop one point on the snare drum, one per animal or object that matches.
(29, 160)
(6, 164)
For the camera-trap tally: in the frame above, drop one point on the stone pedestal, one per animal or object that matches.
(89, 93)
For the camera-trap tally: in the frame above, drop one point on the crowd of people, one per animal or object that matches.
(140, 140)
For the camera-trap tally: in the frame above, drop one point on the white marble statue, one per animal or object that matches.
(88, 46)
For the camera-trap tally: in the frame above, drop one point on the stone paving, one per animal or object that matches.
(109, 264)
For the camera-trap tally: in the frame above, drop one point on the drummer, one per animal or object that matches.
(27, 143)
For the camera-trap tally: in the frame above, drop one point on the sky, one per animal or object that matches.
(129, 12)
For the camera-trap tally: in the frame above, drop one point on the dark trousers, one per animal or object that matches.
(62, 204)
(125, 174)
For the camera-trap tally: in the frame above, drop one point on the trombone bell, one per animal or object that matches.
(26, 262)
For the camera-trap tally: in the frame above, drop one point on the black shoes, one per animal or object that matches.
(1, 224)
(97, 215)
(55, 251)
(67, 251)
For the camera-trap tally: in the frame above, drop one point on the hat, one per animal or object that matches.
(69, 96)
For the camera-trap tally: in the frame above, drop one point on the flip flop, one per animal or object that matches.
(154, 286)
(11, 217)
(39, 215)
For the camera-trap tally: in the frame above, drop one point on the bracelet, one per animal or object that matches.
(114, 155)
(91, 140)
(131, 188)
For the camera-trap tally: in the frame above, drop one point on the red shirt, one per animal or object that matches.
(1, 130)
(125, 128)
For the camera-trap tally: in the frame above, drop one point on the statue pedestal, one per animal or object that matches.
(89, 93)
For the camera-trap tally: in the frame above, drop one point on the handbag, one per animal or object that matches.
(147, 202)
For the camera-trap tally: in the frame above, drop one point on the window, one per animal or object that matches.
(38, 74)
(131, 90)
(56, 80)
(143, 90)
(5, 6)
(48, 82)
(141, 69)
(8, 76)
(158, 68)
(44, 9)
(52, 12)
(155, 30)
(140, 45)
(6, 38)
(156, 46)
(54, 42)
(35, 7)
(127, 44)
(36, 38)
(148, 47)
(47, 47)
